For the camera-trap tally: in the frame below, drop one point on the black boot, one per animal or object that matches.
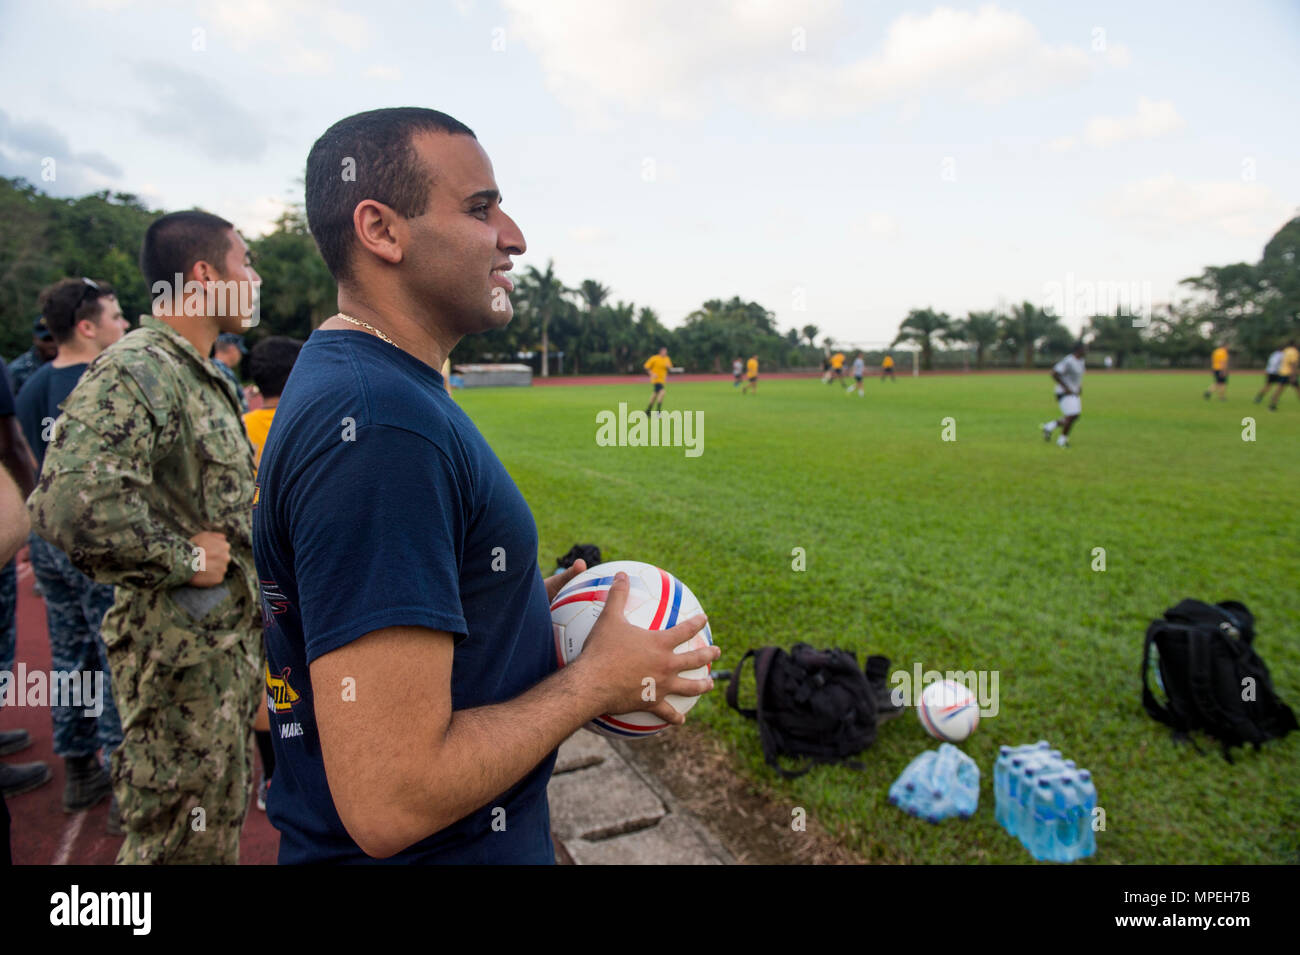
(22, 777)
(87, 783)
(11, 741)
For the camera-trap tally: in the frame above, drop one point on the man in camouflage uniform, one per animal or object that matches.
(148, 485)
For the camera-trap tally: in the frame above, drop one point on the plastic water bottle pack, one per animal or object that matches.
(1045, 801)
(938, 784)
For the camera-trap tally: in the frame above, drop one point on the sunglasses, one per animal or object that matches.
(87, 287)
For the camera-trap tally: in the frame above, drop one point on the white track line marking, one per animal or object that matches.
(70, 834)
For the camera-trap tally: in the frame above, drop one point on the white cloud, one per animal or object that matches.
(1063, 144)
(289, 36)
(390, 74)
(253, 217)
(1154, 118)
(590, 234)
(678, 57)
(881, 225)
(1168, 205)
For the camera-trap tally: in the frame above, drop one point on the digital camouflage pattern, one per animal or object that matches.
(149, 451)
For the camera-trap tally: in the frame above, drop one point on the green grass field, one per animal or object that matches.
(973, 554)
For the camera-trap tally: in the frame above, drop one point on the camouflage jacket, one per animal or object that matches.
(150, 450)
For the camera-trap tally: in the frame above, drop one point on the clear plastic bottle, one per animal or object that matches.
(1000, 769)
(1087, 803)
(1040, 833)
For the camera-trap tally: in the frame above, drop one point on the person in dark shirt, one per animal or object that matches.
(415, 697)
(228, 352)
(43, 349)
(85, 319)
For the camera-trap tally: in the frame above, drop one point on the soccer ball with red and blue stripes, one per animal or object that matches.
(948, 711)
(656, 600)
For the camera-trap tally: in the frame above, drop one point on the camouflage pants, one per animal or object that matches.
(74, 609)
(8, 607)
(183, 771)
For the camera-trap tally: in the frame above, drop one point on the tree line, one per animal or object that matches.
(1252, 308)
(582, 329)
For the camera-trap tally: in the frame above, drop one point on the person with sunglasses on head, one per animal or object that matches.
(84, 317)
(147, 484)
(43, 349)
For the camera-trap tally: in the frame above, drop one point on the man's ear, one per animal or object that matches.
(203, 272)
(379, 231)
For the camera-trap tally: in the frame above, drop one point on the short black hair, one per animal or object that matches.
(368, 156)
(67, 302)
(270, 362)
(176, 241)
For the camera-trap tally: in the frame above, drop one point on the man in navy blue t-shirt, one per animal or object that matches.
(412, 681)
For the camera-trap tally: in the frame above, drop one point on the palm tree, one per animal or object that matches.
(1028, 325)
(810, 333)
(979, 329)
(919, 326)
(544, 294)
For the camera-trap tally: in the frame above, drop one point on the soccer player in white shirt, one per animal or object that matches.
(1271, 376)
(859, 369)
(1068, 375)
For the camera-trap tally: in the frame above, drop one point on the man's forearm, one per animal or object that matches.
(487, 749)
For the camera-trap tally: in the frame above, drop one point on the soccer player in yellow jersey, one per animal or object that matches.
(1289, 373)
(837, 367)
(269, 365)
(1219, 362)
(658, 366)
(751, 375)
(887, 368)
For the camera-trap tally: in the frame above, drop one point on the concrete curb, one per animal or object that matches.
(607, 810)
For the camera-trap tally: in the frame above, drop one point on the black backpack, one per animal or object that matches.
(815, 704)
(588, 552)
(1205, 657)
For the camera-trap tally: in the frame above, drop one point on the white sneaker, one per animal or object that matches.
(1061, 442)
(1048, 429)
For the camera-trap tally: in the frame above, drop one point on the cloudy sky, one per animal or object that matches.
(839, 162)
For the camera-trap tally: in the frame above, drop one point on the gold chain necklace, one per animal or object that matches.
(349, 318)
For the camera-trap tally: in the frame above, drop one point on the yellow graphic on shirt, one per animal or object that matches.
(279, 692)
